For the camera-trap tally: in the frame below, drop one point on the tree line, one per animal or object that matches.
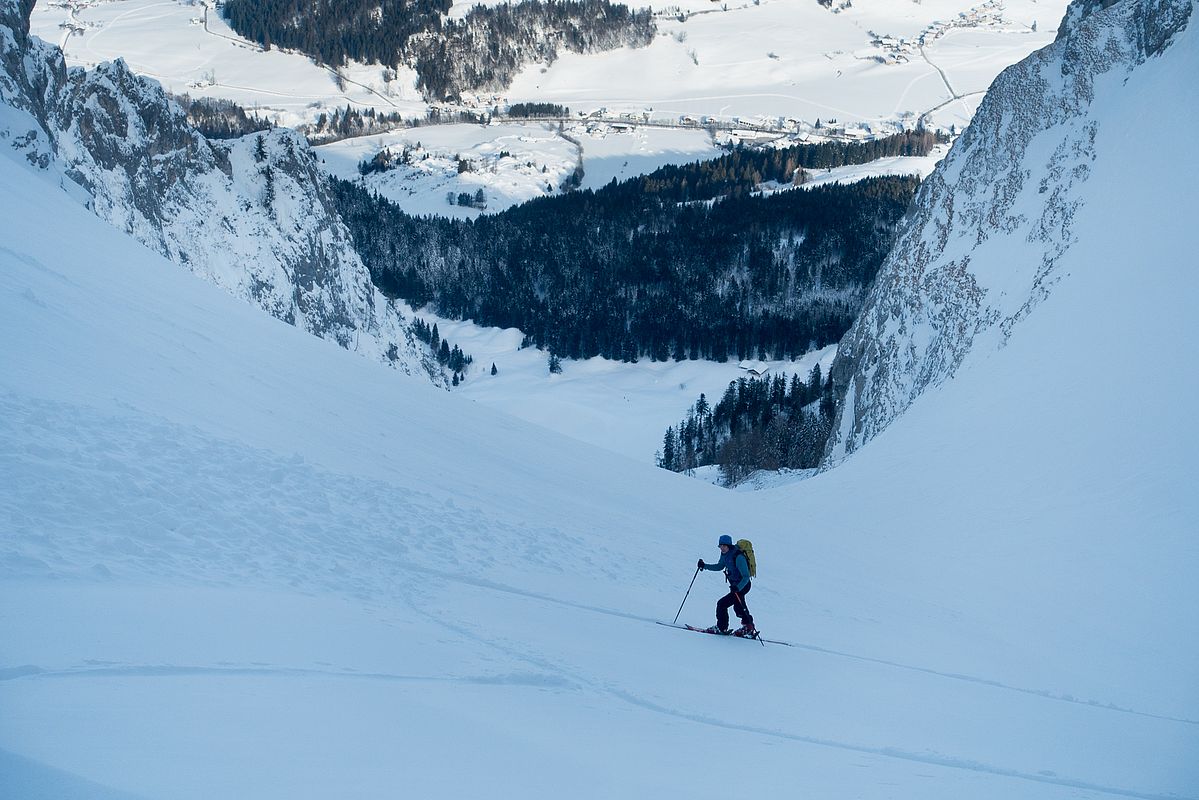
(767, 423)
(525, 110)
(482, 51)
(349, 122)
(452, 358)
(626, 274)
(743, 170)
(220, 119)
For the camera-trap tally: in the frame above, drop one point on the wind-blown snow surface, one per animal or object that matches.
(238, 561)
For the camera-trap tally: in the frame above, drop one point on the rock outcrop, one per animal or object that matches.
(982, 242)
(253, 215)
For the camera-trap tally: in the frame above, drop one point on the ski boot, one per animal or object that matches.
(718, 631)
(746, 632)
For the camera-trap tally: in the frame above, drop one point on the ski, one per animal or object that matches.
(710, 632)
(757, 638)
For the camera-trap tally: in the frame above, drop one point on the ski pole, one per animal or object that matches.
(680, 611)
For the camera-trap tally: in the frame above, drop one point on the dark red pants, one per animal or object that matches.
(735, 599)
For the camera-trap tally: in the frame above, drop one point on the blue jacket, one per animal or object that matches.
(735, 567)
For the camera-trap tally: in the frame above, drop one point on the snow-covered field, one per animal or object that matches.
(193, 51)
(614, 154)
(238, 561)
(790, 58)
(772, 58)
(920, 166)
(511, 163)
(621, 407)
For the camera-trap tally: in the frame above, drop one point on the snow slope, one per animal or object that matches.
(238, 561)
(621, 407)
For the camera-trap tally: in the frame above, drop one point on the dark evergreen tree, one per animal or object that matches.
(481, 51)
(221, 119)
(669, 459)
(537, 110)
(268, 191)
(757, 424)
(625, 274)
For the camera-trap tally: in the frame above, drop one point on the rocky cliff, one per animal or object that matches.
(982, 242)
(253, 215)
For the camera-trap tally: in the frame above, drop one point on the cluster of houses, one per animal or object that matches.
(756, 131)
(786, 135)
(900, 50)
(742, 131)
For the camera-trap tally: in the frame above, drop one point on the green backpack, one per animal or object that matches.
(747, 547)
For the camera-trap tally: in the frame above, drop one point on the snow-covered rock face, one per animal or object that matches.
(987, 230)
(253, 215)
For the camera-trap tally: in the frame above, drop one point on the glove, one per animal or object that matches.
(700, 565)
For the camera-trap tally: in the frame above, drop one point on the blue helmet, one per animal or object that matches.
(726, 539)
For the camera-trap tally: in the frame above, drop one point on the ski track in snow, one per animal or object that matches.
(897, 753)
(372, 550)
(550, 674)
(12, 673)
(175, 671)
(483, 583)
(519, 650)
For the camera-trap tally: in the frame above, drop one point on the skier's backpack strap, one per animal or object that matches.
(746, 547)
